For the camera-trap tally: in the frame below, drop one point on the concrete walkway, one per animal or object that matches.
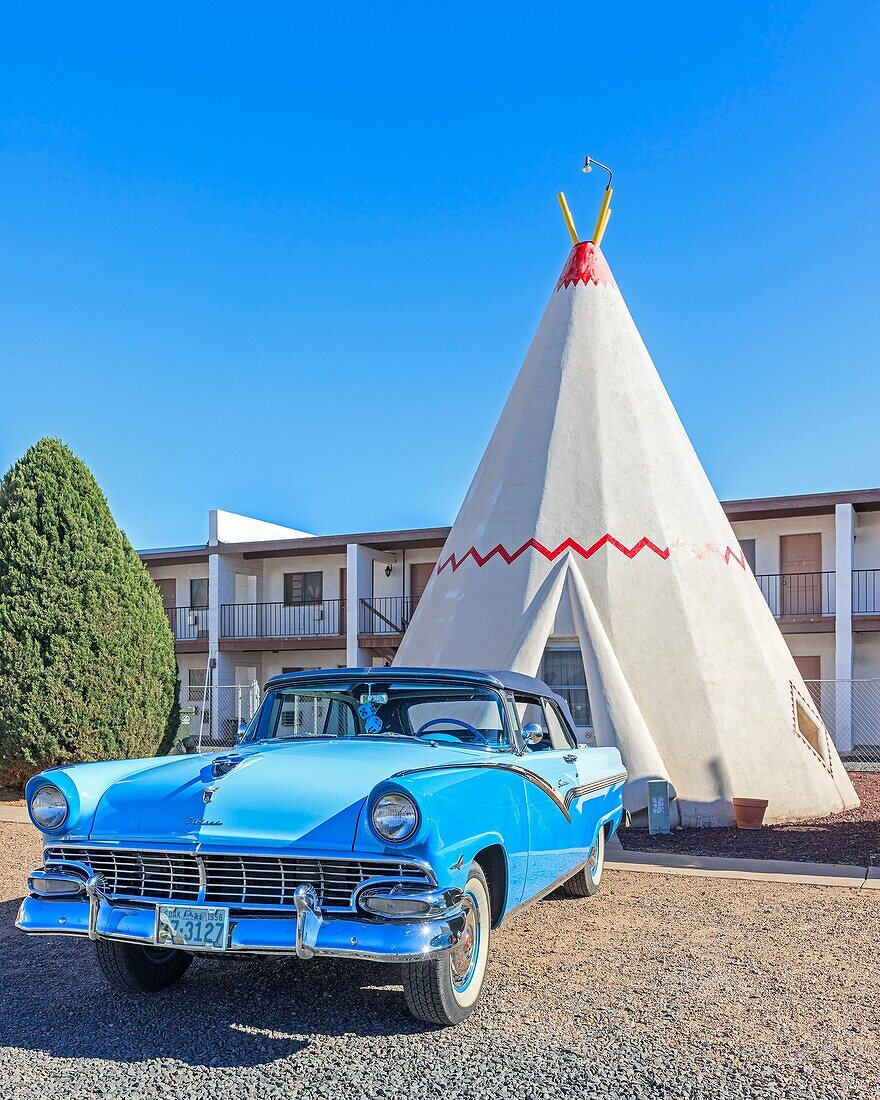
(763, 870)
(14, 813)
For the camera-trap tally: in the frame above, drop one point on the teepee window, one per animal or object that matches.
(563, 670)
(809, 729)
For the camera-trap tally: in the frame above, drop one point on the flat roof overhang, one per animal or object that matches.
(808, 504)
(420, 538)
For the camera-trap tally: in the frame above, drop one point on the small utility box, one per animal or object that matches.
(658, 806)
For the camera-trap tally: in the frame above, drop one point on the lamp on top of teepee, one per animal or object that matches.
(590, 512)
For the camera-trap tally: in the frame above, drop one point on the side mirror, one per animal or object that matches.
(533, 733)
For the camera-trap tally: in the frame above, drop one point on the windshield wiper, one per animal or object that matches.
(306, 737)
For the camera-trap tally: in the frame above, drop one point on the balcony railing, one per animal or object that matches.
(386, 614)
(188, 624)
(866, 591)
(798, 593)
(281, 620)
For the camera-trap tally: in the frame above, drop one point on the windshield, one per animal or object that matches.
(442, 713)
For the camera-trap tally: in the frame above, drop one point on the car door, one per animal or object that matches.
(555, 842)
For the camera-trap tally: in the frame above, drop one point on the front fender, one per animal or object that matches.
(462, 812)
(84, 785)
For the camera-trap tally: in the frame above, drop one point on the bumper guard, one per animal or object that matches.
(87, 911)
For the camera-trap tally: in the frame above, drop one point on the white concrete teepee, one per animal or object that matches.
(590, 509)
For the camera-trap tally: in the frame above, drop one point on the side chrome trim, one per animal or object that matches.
(594, 787)
(530, 777)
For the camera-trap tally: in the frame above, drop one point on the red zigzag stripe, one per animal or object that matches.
(569, 544)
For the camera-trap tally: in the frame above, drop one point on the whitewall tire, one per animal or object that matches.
(445, 991)
(586, 882)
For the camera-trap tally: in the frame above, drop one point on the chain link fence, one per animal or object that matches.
(218, 718)
(850, 710)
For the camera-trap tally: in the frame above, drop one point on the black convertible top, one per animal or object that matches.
(513, 681)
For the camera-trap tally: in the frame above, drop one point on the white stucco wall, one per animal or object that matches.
(398, 584)
(272, 587)
(866, 656)
(273, 663)
(867, 545)
(232, 527)
(182, 574)
(186, 661)
(267, 586)
(767, 532)
(814, 645)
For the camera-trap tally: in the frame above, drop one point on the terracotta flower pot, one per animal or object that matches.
(749, 812)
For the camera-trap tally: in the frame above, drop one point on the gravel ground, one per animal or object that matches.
(852, 837)
(660, 987)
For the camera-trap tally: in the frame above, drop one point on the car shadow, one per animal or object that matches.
(225, 1012)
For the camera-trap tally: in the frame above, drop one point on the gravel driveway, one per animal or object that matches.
(659, 987)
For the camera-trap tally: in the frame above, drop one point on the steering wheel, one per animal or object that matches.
(455, 722)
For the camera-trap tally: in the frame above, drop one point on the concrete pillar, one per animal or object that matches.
(213, 638)
(221, 590)
(359, 586)
(844, 538)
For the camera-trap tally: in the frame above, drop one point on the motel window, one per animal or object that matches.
(303, 588)
(196, 685)
(198, 592)
(563, 670)
(748, 548)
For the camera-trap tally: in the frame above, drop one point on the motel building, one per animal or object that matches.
(258, 599)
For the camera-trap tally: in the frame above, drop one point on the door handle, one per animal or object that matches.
(570, 758)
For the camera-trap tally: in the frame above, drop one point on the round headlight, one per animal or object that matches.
(49, 807)
(395, 817)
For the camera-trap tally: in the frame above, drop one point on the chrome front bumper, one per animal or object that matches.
(307, 933)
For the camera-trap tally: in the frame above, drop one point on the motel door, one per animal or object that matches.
(168, 592)
(419, 575)
(800, 559)
(810, 669)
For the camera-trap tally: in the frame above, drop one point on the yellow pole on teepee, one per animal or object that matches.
(569, 220)
(605, 208)
(604, 215)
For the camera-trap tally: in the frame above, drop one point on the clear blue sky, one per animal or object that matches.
(287, 261)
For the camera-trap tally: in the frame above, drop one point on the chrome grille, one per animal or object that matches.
(234, 880)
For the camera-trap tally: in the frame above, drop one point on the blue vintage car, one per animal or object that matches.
(394, 814)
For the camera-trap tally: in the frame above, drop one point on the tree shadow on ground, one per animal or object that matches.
(225, 1012)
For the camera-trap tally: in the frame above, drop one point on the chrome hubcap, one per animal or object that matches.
(594, 864)
(463, 955)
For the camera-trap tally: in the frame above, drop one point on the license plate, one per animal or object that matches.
(200, 926)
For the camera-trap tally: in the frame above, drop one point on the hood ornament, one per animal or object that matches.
(223, 765)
